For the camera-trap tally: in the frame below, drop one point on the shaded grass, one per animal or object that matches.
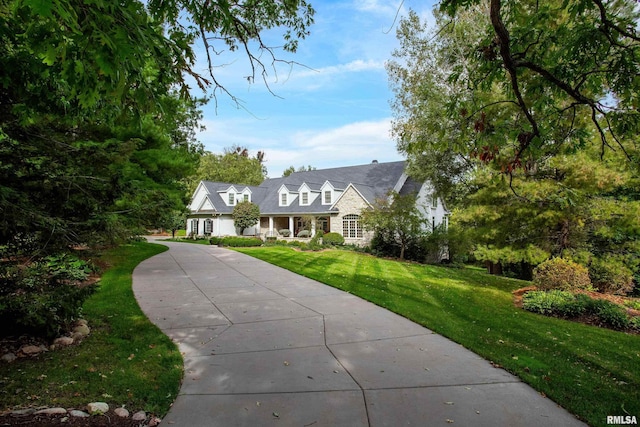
(590, 371)
(126, 360)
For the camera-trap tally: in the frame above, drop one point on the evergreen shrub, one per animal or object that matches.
(561, 274)
(333, 239)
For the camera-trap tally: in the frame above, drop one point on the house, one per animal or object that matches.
(334, 197)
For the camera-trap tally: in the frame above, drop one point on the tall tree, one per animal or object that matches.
(245, 215)
(396, 220)
(235, 165)
(96, 115)
(291, 169)
(512, 84)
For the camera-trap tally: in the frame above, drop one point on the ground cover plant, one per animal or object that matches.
(590, 371)
(126, 360)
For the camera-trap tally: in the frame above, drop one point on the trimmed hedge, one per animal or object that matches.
(334, 239)
(236, 242)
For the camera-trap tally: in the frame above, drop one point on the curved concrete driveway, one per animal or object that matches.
(263, 346)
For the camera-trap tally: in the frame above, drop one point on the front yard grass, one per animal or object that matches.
(126, 360)
(590, 371)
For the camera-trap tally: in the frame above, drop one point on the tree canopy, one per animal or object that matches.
(97, 116)
(512, 84)
(235, 165)
(524, 116)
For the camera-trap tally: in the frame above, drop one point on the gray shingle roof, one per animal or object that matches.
(372, 180)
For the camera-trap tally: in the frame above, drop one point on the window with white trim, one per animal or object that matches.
(304, 198)
(283, 199)
(327, 197)
(245, 197)
(232, 199)
(208, 226)
(351, 226)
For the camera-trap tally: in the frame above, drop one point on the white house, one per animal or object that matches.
(334, 197)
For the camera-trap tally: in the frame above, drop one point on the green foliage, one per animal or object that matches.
(609, 314)
(561, 274)
(396, 222)
(245, 215)
(288, 171)
(500, 78)
(234, 166)
(43, 298)
(610, 275)
(554, 302)
(568, 305)
(532, 162)
(236, 242)
(333, 239)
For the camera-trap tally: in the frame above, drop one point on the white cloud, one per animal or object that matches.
(350, 144)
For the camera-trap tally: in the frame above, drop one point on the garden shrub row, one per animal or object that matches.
(567, 305)
(236, 242)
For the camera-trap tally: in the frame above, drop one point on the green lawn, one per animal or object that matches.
(590, 371)
(126, 360)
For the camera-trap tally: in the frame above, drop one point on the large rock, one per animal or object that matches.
(121, 412)
(63, 341)
(139, 416)
(97, 408)
(9, 357)
(79, 414)
(82, 330)
(31, 350)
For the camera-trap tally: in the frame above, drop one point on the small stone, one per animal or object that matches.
(81, 322)
(121, 412)
(139, 416)
(31, 350)
(82, 329)
(9, 357)
(63, 341)
(79, 414)
(97, 408)
(51, 411)
(153, 422)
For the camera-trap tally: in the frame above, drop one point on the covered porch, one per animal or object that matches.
(274, 225)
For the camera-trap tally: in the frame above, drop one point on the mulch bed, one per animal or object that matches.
(42, 420)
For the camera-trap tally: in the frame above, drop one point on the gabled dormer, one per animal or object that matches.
(307, 195)
(229, 195)
(244, 196)
(286, 195)
(328, 193)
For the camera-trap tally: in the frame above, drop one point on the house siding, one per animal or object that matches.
(350, 203)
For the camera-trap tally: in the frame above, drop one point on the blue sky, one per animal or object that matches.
(333, 112)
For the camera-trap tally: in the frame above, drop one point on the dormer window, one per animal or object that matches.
(245, 198)
(304, 198)
(434, 201)
(283, 199)
(232, 199)
(327, 197)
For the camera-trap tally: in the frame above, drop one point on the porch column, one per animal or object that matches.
(271, 233)
(313, 227)
(291, 227)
